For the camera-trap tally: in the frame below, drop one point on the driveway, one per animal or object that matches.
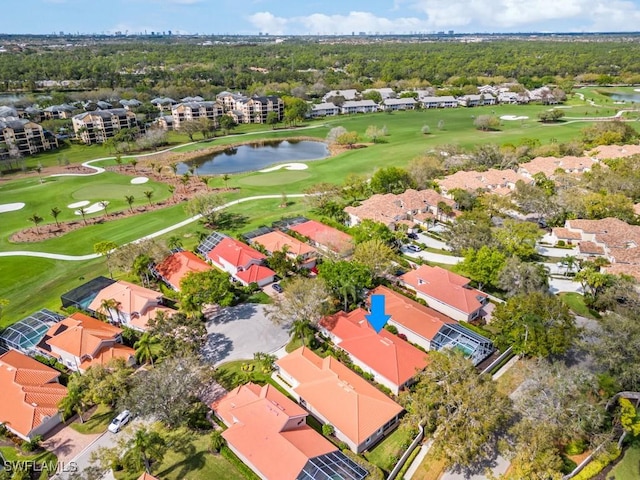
(432, 242)
(432, 257)
(557, 285)
(66, 443)
(497, 466)
(236, 333)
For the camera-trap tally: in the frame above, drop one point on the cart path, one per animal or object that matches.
(79, 258)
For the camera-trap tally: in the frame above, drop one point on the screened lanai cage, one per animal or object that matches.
(27, 333)
(472, 345)
(332, 466)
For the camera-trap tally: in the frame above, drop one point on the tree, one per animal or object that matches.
(225, 178)
(104, 204)
(375, 133)
(550, 116)
(486, 122)
(146, 348)
(334, 134)
(227, 123)
(37, 220)
(376, 255)
(280, 262)
(522, 278)
(535, 324)
(295, 109)
(462, 407)
(423, 170)
(74, 401)
(133, 162)
(190, 128)
(129, 199)
(105, 249)
(108, 306)
(107, 384)
(211, 287)
(146, 446)
(355, 187)
(55, 213)
(345, 279)
(482, 266)
(82, 211)
(206, 126)
(208, 205)
(519, 238)
(272, 119)
(391, 180)
(301, 329)
(304, 298)
(471, 230)
(148, 194)
(369, 230)
(169, 391)
(174, 242)
(178, 333)
(141, 266)
(347, 139)
(216, 440)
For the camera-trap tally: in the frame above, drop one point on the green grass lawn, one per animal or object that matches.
(629, 467)
(189, 458)
(48, 459)
(97, 423)
(387, 453)
(575, 302)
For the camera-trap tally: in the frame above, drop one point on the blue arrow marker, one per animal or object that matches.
(377, 318)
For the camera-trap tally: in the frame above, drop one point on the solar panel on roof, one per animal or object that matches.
(256, 233)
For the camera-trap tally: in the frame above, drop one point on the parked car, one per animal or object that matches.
(120, 421)
(277, 287)
(412, 236)
(414, 248)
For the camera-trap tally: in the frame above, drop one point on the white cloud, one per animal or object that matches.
(465, 15)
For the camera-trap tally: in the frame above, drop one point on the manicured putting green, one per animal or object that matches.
(280, 177)
(100, 191)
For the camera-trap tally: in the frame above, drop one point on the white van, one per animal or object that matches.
(120, 421)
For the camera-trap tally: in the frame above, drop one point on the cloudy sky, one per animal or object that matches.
(320, 16)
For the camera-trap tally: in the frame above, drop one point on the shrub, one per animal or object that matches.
(561, 243)
(575, 447)
(568, 465)
(391, 328)
(328, 430)
(598, 464)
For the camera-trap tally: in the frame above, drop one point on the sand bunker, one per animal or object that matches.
(139, 180)
(286, 166)
(82, 203)
(11, 207)
(96, 207)
(513, 117)
(636, 89)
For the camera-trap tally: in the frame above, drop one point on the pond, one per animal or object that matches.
(255, 156)
(625, 97)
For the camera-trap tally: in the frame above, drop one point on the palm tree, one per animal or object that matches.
(108, 306)
(569, 262)
(133, 162)
(185, 180)
(174, 242)
(144, 447)
(159, 170)
(216, 441)
(225, 179)
(104, 204)
(149, 194)
(171, 189)
(119, 161)
(73, 403)
(82, 212)
(55, 212)
(174, 168)
(301, 329)
(347, 288)
(36, 219)
(130, 199)
(39, 171)
(146, 348)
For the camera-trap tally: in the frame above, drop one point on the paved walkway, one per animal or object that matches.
(66, 443)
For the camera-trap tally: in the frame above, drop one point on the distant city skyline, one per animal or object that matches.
(328, 17)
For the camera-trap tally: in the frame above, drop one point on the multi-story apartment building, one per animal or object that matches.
(184, 112)
(97, 126)
(25, 136)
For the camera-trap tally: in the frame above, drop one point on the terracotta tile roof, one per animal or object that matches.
(141, 321)
(176, 266)
(80, 334)
(346, 400)
(276, 241)
(255, 273)
(424, 321)
(104, 356)
(29, 392)
(490, 180)
(390, 209)
(393, 358)
(605, 152)
(264, 425)
(562, 233)
(632, 270)
(549, 165)
(147, 476)
(444, 286)
(131, 297)
(322, 234)
(235, 252)
(590, 248)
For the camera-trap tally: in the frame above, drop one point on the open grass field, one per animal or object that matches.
(20, 277)
(629, 467)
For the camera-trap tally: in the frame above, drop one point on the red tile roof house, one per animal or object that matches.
(29, 395)
(392, 361)
(500, 182)
(241, 261)
(391, 209)
(136, 304)
(549, 165)
(360, 413)
(177, 265)
(325, 238)
(276, 241)
(269, 433)
(80, 341)
(430, 329)
(446, 292)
